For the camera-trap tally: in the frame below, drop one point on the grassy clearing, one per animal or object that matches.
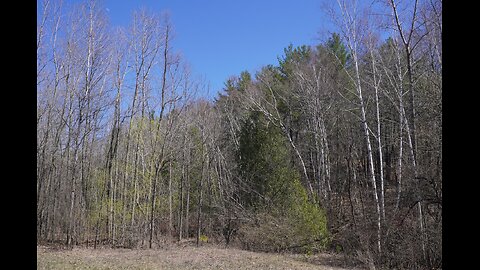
(188, 257)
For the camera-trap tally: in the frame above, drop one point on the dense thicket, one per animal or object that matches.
(283, 217)
(337, 146)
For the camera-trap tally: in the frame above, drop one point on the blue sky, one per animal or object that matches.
(222, 38)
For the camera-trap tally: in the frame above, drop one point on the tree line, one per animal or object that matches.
(336, 147)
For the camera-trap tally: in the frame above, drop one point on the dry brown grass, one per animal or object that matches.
(179, 257)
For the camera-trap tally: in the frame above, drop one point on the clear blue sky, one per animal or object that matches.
(220, 38)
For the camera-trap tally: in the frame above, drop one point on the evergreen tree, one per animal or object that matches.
(286, 217)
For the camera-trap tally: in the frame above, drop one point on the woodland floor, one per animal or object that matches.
(182, 257)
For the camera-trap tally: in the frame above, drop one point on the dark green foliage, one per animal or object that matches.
(338, 49)
(244, 81)
(238, 83)
(286, 219)
(262, 161)
(293, 56)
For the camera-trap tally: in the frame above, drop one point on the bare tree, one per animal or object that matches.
(351, 28)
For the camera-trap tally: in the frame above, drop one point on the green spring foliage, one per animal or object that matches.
(203, 238)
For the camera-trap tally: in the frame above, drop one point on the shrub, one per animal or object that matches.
(300, 226)
(203, 238)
